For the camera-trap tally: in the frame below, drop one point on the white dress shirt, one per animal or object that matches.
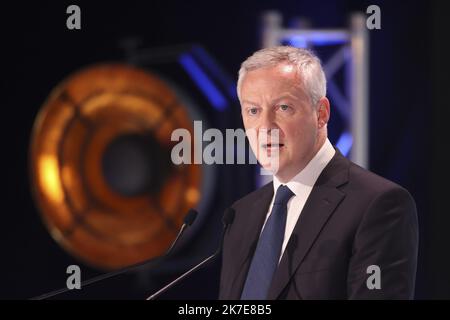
(301, 185)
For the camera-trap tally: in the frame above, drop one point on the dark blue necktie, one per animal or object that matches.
(268, 250)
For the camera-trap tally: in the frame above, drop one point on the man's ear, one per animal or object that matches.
(323, 111)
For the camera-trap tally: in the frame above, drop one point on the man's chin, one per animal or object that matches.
(272, 167)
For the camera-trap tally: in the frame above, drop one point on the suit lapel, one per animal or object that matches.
(321, 203)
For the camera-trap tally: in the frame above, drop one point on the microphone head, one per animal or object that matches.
(190, 217)
(228, 217)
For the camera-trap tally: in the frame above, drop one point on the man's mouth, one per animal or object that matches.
(272, 145)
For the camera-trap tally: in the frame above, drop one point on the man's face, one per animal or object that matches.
(274, 98)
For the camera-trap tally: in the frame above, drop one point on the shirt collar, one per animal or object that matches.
(308, 176)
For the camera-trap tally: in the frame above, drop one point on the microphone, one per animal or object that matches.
(187, 222)
(227, 220)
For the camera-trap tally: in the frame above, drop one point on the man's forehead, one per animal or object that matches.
(254, 100)
(279, 80)
(280, 76)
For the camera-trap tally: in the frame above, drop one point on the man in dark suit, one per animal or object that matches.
(325, 228)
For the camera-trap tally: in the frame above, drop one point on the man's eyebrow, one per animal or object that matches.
(249, 102)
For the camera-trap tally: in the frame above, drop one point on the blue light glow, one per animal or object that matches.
(344, 143)
(211, 92)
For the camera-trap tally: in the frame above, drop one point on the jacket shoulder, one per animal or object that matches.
(371, 182)
(250, 198)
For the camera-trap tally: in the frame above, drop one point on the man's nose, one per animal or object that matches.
(267, 122)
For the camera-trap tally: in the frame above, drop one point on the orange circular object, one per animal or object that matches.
(82, 118)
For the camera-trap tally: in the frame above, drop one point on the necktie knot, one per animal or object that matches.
(283, 195)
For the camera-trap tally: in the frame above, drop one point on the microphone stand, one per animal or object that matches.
(188, 221)
(227, 221)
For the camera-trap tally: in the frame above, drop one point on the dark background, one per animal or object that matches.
(408, 74)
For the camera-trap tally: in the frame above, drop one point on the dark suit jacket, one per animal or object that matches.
(351, 220)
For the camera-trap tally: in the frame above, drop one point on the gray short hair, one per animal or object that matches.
(312, 75)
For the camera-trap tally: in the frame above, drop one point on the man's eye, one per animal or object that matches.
(284, 107)
(253, 111)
